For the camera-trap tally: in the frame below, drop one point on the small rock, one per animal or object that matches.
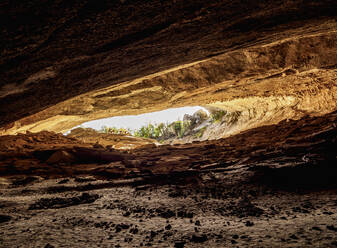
(153, 234)
(332, 228)
(5, 218)
(128, 239)
(293, 236)
(97, 145)
(126, 214)
(189, 215)
(179, 244)
(167, 214)
(134, 230)
(168, 227)
(316, 228)
(199, 238)
(123, 226)
(249, 223)
(63, 181)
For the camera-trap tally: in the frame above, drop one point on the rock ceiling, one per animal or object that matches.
(69, 62)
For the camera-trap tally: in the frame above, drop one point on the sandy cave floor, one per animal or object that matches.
(166, 217)
(272, 186)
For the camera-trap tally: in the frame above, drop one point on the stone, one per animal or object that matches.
(199, 238)
(49, 246)
(249, 223)
(5, 218)
(179, 244)
(168, 227)
(331, 228)
(61, 157)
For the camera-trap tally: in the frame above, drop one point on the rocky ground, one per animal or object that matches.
(116, 141)
(273, 186)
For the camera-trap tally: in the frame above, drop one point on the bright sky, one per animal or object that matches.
(136, 121)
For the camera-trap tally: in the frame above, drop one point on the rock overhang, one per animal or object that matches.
(287, 65)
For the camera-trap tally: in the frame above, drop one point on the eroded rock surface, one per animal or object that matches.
(73, 62)
(270, 186)
(308, 140)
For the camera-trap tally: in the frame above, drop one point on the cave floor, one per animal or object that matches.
(273, 186)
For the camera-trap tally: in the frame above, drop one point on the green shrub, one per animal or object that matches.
(114, 130)
(200, 133)
(163, 131)
(178, 127)
(145, 131)
(217, 116)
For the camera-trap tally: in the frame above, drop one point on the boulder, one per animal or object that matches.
(61, 157)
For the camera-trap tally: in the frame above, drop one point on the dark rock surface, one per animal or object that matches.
(46, 203)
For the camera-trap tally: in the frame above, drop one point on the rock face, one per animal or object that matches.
(82, 60)
(309, 141)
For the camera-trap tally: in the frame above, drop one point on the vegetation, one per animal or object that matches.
(178, 129)
(163, 131)
(223, 116)
(200, 133)
(217, 116)
(114, 130)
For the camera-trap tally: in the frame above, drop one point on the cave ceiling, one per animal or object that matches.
(66, 62)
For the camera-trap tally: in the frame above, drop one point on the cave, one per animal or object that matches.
(261, 173)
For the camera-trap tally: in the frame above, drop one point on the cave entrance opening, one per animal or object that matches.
(170, 126)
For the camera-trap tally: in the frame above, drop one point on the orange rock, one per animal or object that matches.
(61, 157)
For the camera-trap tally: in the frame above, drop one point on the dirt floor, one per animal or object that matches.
(273, 186)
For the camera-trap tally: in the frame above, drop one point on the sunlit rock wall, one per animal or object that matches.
(268, 83)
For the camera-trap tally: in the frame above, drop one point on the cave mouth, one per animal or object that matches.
(170, 126)
(135, 122)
